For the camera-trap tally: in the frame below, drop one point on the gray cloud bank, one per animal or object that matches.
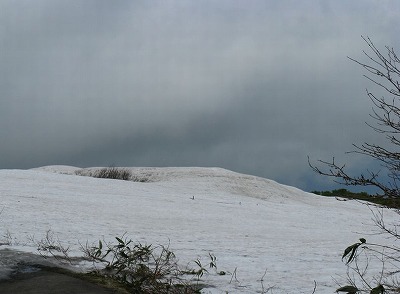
(252, 86)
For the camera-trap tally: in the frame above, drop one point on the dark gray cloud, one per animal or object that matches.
(250, 86)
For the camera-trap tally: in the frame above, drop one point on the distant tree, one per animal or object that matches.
(383, 70)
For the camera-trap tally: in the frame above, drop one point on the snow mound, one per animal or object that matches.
(206, 179)
(60, 169)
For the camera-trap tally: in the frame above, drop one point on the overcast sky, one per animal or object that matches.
(254, 86)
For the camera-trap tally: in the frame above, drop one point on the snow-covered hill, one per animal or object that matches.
(250, 224)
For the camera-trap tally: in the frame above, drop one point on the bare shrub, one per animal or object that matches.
(116, 173)
(113, 173)
(50, 245)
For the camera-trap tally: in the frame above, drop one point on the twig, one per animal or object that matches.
(234, 275)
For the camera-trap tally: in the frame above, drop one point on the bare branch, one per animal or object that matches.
(384, 71)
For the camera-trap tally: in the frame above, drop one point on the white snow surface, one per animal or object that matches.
(250, 224)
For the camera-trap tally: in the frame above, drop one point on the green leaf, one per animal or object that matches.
(120, 240)
(352, 249)
(100, 245)
(352, 255)
(347, 251)
(200, 273)
(123, 254)
(197, 261)
(108, 251)
(348, 289)
(378, 290)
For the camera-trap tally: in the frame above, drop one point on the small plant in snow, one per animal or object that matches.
(359, 258)
(7, 239)
(51, 246)
(201, 270)
(140, 268)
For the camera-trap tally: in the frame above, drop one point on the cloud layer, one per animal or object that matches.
(250, 86)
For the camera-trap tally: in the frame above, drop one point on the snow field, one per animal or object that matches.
(250, 224)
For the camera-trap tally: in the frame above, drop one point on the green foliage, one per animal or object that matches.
(213, 262)
(352, 253)
(348, 289)
(364, 196)
(378, 290)
(201, 270)
(133, 266)
(352, 249)
(141, 268)
(353, 290)
(342, 193)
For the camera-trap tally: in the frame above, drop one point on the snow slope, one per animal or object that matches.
(249, 223)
